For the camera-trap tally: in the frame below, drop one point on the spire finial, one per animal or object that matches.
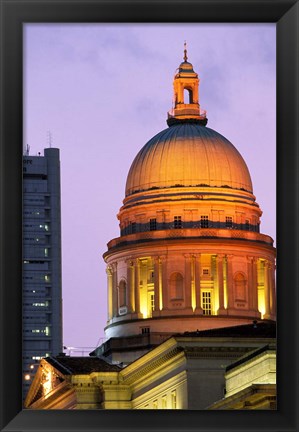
(185, 51)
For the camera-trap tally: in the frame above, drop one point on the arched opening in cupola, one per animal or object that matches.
(188, 96)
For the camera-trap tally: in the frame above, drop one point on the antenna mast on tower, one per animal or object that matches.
(49, 138)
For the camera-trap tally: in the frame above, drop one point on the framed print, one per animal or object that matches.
(199, 279)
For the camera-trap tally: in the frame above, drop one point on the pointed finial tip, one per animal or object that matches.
(185, 51)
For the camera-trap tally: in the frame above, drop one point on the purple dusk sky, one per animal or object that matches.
(103, 90)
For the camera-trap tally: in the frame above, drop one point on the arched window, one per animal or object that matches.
(122, 294)
(176, 286)
(240, 286)
(188, 96)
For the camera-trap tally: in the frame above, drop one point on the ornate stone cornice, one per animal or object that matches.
(151, 366)
(216, 351)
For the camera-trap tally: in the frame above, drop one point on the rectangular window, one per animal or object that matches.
(145, 330)
(205, 271)
(177, 222)
(228, 222)
(206, 303)
(204, 221)
(153, 224)
(152, 301)
(150, 277)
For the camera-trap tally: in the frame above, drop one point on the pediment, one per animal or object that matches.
(46, 381)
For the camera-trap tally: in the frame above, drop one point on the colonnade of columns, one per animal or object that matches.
(223, 287)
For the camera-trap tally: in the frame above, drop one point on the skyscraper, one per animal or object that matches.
(42, 297)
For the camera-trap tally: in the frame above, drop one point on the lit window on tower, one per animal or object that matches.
(204, 221)
(153, 224)
(229, 222)
(177, 222)
(206, 303)
(152, 301)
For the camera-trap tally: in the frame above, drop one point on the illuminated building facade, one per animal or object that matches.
(42, 298)
(190, 253)
(191, 289)
(184, 372)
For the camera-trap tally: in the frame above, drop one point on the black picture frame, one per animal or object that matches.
(16, 12)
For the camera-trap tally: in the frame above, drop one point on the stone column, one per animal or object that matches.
(230, 283)
(267, 291)
(110, 297)
(250, 282)
(114, 290)
(255, 305)
(156, 286)
(273, 291)
(188, 294)
(271, 283)
(130, 286)
(198, 308)
(137, 285)
(164, 283)
(219, 261)
(252, 286)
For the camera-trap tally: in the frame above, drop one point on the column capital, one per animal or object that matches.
(129, 261)
(269, 264)
(109, 270)
(113, 266)
(163, 257)
(197, 255)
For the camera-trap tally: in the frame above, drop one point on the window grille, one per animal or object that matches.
(177, 222)
(204, 221)
(206, 303)
(228, 222)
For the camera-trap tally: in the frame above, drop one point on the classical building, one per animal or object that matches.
(190, 255)
(250, 383)
(191, 288)
(184, 372)
(42, 298)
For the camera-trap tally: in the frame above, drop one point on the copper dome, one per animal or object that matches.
(188, 154)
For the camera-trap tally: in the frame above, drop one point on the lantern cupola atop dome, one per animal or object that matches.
(186, 99)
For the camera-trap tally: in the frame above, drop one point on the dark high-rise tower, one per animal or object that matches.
(42, 298)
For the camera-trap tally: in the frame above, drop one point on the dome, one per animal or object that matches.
(188, 154)
(186, 67)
